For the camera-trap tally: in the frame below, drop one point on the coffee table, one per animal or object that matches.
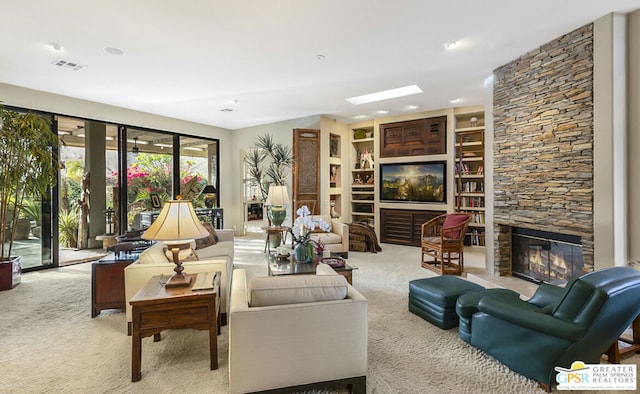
(156, 308)
(289, 266)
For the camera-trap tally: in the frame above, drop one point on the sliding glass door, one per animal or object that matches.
(108, 170)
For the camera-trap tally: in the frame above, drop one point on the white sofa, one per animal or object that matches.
(154, 261)
(296, 331)
(337, 239)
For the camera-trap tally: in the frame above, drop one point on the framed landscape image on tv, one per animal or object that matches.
(414, 182)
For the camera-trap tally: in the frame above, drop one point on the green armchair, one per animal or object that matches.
(554, 327)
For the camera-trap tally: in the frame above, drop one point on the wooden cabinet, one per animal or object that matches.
(403, 226)
(469, 174)
(414, 138)
(363, 176)
(107, 285)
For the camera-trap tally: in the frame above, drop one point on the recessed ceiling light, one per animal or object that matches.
(382, 112)
(455, 100)
(450, 44)
(385, 95)
(233, 102)
(163, 145)
(360, 116)
(413, 106)
(113, 51)
(227, 110)
(56, 46)
(320, 57)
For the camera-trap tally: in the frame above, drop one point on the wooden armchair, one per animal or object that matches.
(443, 240)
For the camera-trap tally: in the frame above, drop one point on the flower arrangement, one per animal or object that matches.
(301, 232)
(304, 225)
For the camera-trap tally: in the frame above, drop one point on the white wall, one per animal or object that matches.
(633, 109)
(609, 142)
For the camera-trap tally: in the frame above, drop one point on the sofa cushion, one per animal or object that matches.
(296, 289)
(327, 238)
(210, 240)
(153, 255)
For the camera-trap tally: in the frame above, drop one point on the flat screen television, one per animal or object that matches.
(414, 182)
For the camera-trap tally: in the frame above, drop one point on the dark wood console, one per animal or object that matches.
(107, 284)
(414, 138)
(403, 226)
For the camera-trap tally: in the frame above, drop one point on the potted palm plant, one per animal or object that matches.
(27, 169)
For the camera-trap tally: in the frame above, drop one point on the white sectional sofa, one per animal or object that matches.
(296, 331)
(154, 261)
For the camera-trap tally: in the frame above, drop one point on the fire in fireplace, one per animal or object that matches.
(542, 256)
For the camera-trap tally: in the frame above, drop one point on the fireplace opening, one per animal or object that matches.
(543, 256)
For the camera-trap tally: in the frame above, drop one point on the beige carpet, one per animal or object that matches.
(50, 344)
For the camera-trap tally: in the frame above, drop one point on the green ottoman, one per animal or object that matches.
(434, 299)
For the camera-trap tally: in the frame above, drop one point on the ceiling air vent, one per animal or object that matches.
(73, 66)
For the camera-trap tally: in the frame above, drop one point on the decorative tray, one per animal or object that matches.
(333, 262)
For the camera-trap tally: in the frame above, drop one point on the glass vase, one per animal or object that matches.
(303, 253)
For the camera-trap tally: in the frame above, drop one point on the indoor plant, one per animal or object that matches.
(27, 169)
(267, 164)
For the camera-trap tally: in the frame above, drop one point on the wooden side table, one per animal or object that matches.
(272, 230)
(107, 285)
(156, 308)
(615, 353)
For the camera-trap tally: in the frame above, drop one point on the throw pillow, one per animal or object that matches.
(453, 220)
(212, 239)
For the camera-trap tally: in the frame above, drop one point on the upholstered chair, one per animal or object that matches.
(554, 328)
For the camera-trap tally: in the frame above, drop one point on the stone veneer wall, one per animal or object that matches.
(543, 144)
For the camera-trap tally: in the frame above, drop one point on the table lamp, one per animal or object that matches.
(277, 199)
(210, 198)
(176, 226)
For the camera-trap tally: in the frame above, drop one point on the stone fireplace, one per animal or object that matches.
(543, 152)
(542, 256)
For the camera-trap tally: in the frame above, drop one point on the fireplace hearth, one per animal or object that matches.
(542, 256)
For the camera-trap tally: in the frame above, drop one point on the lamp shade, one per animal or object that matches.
(209, 189)
(176, 223)
(278, 196)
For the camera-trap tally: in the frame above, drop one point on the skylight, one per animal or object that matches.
(385, 95)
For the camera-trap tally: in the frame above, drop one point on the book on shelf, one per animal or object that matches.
(471, 202)
(471, 187)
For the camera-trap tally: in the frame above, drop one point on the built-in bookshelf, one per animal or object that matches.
(335, 176)
(469, 174)
(362, 175)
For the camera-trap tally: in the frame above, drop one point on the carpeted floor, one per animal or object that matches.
(50, 344)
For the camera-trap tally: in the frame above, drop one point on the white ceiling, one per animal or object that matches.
(190, 59)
